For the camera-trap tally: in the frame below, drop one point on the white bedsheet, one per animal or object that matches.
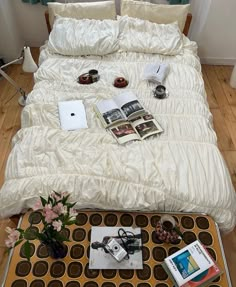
(180, 170)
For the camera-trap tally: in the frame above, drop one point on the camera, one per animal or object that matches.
(115, 249)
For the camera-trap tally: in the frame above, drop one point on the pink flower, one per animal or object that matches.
(57, 225)
(64, 194)
(13, 237)
(38, 205)
(9, 243)
(73, 213)
(8, 229)
(59, 208)
(56, 197)
(48, 213)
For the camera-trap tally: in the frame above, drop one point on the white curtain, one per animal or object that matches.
(199, 10)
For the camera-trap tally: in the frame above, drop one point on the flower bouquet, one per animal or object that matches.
(56, 213)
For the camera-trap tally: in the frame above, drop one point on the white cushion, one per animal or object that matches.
(87, 10)
(149, 37)
(74, 37)
(157, 13)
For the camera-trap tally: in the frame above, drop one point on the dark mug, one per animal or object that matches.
(94, 75)
(160, 92)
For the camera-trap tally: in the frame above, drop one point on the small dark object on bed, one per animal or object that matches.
(160, 92)
(88, 78)
(85, 79)
(120, 82)
(94, 75)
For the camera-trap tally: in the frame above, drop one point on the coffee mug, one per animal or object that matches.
(168, 222)
(160, 92)
(94, 75)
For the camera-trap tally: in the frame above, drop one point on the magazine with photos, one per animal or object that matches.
(126, 118)
(115, 248)
(192, 266)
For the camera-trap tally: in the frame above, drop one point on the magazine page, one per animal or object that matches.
(129, 104)
(110, 112)
(124, 133)
(115, 248)
(146, 126)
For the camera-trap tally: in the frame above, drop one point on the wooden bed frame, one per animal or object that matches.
(185, 31)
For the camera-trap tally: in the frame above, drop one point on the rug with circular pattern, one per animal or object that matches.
(73, 270)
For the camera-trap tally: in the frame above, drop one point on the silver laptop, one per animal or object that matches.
(72, 115)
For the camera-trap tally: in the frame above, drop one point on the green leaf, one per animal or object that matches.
(43, 200)
(71, 222)
(50, 200)
(26, 247)
(64, 200)
(60, 237)
(177, 230)
(70, 205)
(18, 242)
(58, 194)
(41, 237)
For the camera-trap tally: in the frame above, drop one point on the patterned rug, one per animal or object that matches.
(73, 271)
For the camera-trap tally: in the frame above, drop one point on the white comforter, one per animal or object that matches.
(180, 170)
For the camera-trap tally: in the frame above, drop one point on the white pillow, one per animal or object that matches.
(73, 37)
(149, 37)
(157, 13)
(87, 10)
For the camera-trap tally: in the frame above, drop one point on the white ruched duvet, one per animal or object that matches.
(180, 170)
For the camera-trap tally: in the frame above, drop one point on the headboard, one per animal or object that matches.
(185, 31)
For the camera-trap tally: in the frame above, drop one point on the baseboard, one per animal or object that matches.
(219, 61)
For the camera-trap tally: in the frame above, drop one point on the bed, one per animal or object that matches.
(180, 170)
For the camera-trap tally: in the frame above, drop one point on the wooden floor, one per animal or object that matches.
(222, 102)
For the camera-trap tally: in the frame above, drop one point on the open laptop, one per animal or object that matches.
(72, 115)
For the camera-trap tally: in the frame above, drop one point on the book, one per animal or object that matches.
(115, 248)
(192, 266)
(126, 118)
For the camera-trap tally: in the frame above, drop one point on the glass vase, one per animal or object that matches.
(56, 249)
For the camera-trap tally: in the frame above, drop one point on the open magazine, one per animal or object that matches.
(126, 118)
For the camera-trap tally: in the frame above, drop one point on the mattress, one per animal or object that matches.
(180, 170)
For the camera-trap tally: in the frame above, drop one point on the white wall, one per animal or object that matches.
(213, 27)
(217, 41)
(31, 22)
(11, 39)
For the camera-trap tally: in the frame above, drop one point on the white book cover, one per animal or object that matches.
(188, 262)
(72, 115)
(115, 248)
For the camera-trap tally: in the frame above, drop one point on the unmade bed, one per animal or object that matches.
(181, 169)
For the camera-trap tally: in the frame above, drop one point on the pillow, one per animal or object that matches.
(73, 37)
(157, 13)
(149, 37)
(87, 10)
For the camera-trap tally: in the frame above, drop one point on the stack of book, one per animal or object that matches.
(192, 266)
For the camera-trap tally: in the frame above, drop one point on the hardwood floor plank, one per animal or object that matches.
(210, 94)
(224, 106)
(223, 74)
(224, 139)
(229, 243)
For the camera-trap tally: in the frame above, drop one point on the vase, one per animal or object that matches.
(56, 249)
